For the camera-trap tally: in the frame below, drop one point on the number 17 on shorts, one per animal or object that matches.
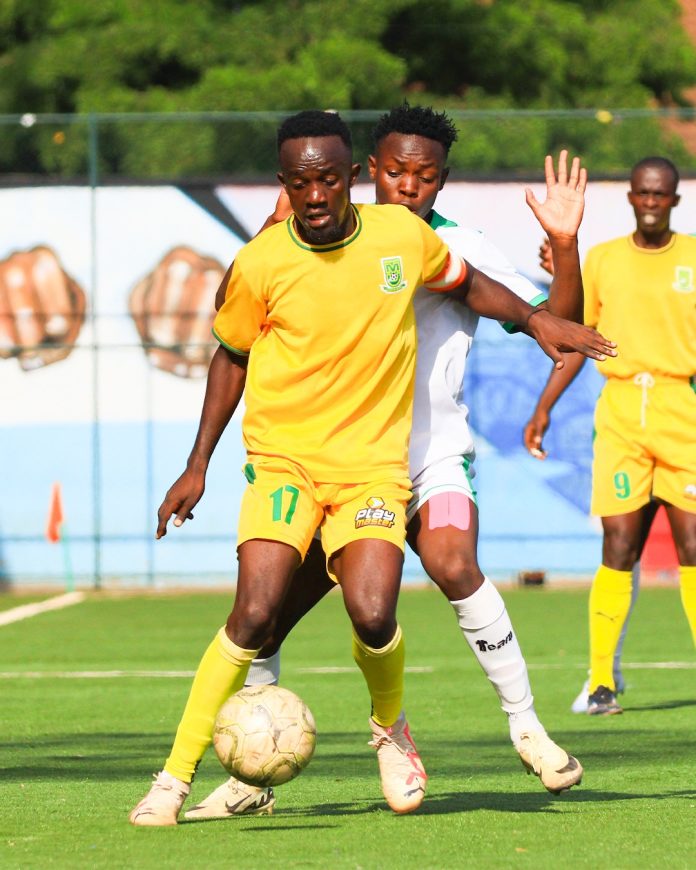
(279, 504)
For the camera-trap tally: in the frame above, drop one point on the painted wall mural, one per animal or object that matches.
(105, 310)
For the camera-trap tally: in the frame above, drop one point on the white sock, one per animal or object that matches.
(264, 672)
(485, 624)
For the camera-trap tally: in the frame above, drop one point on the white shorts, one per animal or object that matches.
(453, 474)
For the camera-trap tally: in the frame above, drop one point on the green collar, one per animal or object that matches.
(436, 221)
(325, 249)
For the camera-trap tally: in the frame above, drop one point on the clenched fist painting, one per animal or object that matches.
(42, 308)
(173, 309)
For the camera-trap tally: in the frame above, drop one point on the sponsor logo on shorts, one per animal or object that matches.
(393, 271)
(683, 279)
(484, 646)
(690, 490)
(375, 514)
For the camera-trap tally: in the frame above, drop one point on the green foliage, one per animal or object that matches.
(547, 53)
(68, 56)
(505, 145)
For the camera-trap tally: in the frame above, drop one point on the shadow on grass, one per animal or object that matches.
(447, 803)
(664, 705)
(254, 828)
(123, 756)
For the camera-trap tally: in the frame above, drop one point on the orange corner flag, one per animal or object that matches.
(55, 515)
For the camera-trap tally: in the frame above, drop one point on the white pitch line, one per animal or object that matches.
(109, 675)
(650, 666)
(15, 614)
(91, 675)
(629, 666)
(348, 670)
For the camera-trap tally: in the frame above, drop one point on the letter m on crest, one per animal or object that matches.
(393, 271)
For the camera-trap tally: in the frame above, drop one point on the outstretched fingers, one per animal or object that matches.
(551, 179)
(576, 180)
(574, 176)
(589, 343)
(557, 336)
(578, 177)
(598, 347)
(532, 201)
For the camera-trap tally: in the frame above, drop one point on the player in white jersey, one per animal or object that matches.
(408, 167)
(441, 449)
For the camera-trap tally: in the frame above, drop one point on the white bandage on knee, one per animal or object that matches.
(485, 623)
(264, 672)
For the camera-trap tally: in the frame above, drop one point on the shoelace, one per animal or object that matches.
(645, 381)
(536, 752)
(383, 740)
(167, 786)
(411, 755)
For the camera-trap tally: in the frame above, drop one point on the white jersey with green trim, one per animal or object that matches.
(445, 332)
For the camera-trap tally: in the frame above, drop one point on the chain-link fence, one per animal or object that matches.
(240, 147)
(117, 231)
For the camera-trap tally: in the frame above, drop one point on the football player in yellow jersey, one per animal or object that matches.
(642, 288)
(318, 310)
(409, 167)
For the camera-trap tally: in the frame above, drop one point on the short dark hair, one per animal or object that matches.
(658, 163)
(311, 123)
(416, 121)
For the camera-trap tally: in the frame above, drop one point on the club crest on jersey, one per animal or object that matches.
(375, 514)
(393, 271)
(683, 279)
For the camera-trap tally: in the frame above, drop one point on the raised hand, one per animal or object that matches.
(173, 310)
(561, 213)
(42, 309)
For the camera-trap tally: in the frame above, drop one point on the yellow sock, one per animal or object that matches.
(221, 673)
(687, 584)
(610, 601)
(383, 670)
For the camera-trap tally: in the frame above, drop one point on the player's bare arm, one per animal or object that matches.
(222, 289)
(226, 378)
(560, 216)
(559, 380)
(555, 336)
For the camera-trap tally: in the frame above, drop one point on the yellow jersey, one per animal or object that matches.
(644, 299)
(330, 331)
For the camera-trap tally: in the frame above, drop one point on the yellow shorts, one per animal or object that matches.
(645, 445)
(281, 503)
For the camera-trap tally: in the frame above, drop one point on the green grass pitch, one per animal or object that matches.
(78, 752)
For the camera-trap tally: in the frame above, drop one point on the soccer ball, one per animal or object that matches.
(264, 735)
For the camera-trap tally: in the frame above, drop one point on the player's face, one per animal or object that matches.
(318, 174)
(408, 170)
(653, 196)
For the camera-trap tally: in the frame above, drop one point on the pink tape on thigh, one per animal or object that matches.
(449, 509)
